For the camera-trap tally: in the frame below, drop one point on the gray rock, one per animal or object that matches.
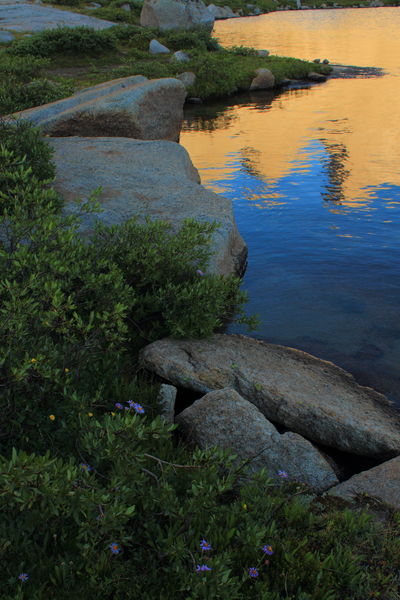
(176, 14)
(224, 419)
(263, 53)
(181, 56)
(145, 178)
(221, 12)
(156, 48)
(264, 80)
(166, 398)
(130, 107)
(310, 396)
(188, 78)
(6, 37)
(126, 7)
(317, 60)
(381, 482)
(32, 17)
(94, 5)
(317, 77)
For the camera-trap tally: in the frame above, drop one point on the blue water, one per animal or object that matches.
(321, 216)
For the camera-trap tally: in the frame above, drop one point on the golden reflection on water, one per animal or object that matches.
(356, 121)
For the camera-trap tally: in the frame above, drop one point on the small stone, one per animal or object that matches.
(166, 398)
(181, 56)
(194, 100)
(6, 37)
(264, 80)
(188, 78)
(317, 60)
(126, 7)
(325, 61)
(156, 48)
(317, 77)
(263, 53)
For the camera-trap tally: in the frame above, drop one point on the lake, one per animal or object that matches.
(314, 176)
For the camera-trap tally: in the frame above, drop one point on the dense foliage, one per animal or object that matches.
(98, 497)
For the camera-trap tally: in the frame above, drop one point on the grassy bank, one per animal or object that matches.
(101, 499)
(52, 64)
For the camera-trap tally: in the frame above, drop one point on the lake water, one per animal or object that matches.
(314, 175)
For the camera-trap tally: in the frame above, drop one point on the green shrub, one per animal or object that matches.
(78, 40)
(15, 96)
(131, 285)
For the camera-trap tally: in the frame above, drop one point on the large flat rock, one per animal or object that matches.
(224, 419)
(17, 16)
(305, 394)
(381, 482)
(145, 178)
(137, 107)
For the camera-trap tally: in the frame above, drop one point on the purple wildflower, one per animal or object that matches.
(204, 545)
(23, 577)
(115, 548)
(200, 568)
(119, 406)
(199, 272)
(85, 467)
(138, 408)
(268, 550)
(253, 572)
(282, 474)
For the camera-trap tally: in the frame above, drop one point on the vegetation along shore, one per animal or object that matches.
(103, 493)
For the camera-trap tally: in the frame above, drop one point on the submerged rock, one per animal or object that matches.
(131, 107)
(381, 482)
(145, 178)
(224, 419)
(305, 394)
(175, 14)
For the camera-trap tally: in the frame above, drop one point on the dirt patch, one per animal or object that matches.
(105, 124)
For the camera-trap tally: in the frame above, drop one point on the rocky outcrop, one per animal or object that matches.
(381, 482)
(6, 37)
(131, 107)
(305, 394)
(264, 80)
(33, 17)
(145, 178)
(224, 419)
(175, 14)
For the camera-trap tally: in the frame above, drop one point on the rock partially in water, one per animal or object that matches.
(188, 78)
(381, 482)
(305, 394)
(264, 80)
(145, 178)
(226, 420)
(221, 12)
(176, 14)
(131, 107)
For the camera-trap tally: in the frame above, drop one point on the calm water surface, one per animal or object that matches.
(314, 175)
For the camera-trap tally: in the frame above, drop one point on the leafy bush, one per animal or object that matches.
(78, 40)
(99, 498)
(133, 284)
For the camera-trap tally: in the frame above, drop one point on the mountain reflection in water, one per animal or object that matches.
(314, 175)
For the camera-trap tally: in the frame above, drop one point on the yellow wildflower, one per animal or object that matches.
(66, 370)
(244, 506)
(51, 417)
(90, 414)
(33, 360)
(113, 414)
